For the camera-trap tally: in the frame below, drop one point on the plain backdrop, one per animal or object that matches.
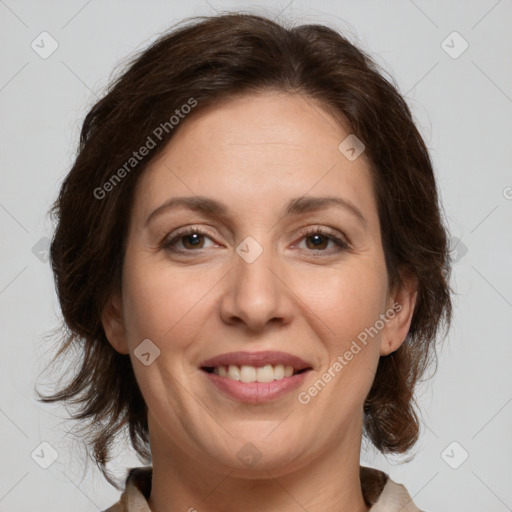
(459, 88)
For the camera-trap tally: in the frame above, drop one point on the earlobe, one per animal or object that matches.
(402, 304)
(113, 324)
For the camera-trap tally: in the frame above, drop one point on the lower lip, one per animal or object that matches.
(256, 392)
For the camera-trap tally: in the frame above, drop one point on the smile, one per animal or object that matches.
(255, 376)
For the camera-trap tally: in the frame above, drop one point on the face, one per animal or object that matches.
(255, 278)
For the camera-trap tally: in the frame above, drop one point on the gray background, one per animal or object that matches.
(463, 107)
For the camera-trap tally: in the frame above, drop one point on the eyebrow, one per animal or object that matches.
(296, 206)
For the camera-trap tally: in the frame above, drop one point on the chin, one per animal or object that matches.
(255, 453)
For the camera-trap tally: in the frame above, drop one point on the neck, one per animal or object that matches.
(330, 481)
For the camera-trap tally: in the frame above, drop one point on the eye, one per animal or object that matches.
(191, 238)
(320, 237)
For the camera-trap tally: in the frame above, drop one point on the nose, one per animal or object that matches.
(256, 293)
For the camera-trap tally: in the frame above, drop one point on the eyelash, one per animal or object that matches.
(175, 237)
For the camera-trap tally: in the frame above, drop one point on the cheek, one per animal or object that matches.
(160, 302)
(167, 306)
(348, 303)
(348, 306)
(347, 299)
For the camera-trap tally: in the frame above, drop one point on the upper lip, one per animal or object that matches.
(256, 359)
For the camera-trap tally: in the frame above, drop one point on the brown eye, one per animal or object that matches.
(318, 242)
(318, 239)
(187, 240)
(192, 241)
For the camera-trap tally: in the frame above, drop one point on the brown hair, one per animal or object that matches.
(203, 62)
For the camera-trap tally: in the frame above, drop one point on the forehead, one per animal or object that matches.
(256, 152)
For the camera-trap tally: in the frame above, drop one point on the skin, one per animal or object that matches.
(254, 154)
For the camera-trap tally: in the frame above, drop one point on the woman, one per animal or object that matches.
(251, 260)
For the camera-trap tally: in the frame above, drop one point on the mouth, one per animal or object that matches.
(255, 376)
(265, 366)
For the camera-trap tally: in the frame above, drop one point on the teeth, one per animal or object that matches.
(279, 371)
(247, 373)
(267, 373)
(233, 372)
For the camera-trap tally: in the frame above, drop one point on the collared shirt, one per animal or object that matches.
(379, 491)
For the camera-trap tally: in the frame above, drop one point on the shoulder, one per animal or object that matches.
(383, 494)
(136, 492)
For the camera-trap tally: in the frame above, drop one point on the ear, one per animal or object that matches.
(113, 324)
(400, 311)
